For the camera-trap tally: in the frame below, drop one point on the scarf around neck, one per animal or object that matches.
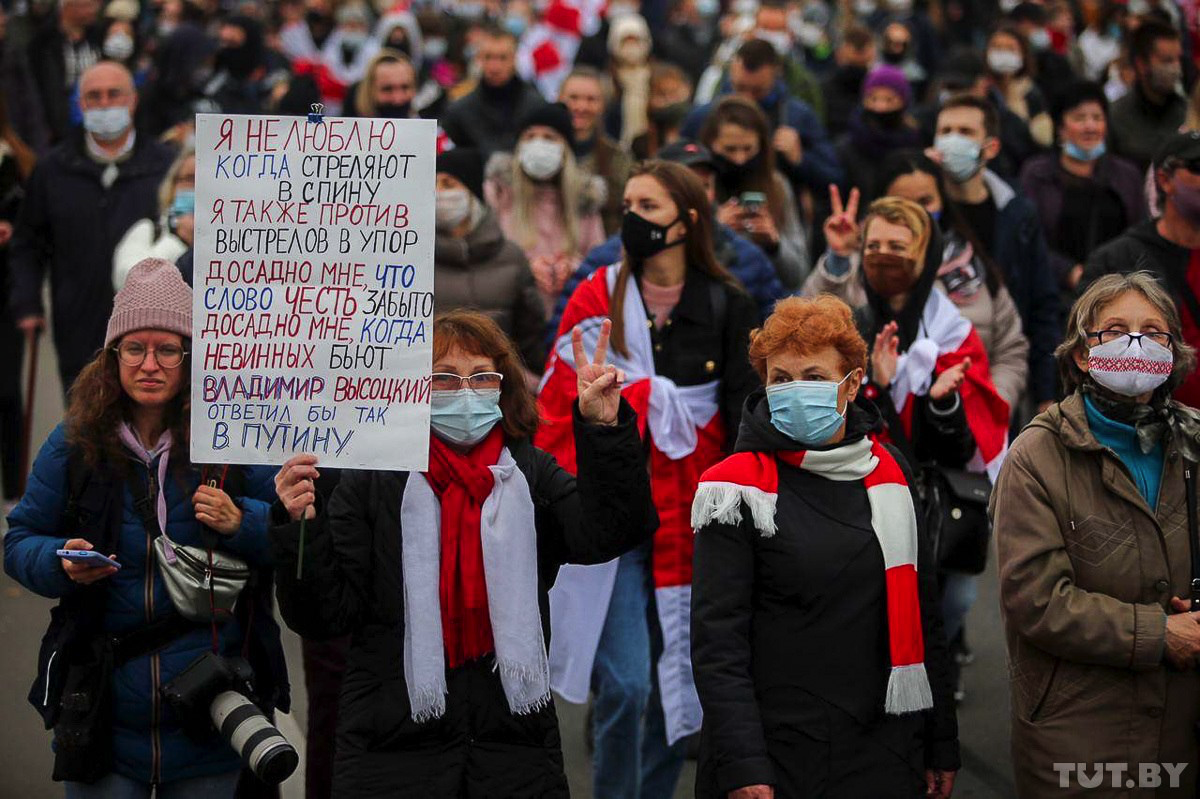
(752, 478)
(470, 577)
(1155, 421)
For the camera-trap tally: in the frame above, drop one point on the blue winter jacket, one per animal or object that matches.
(818, 168)
(746, 260)
(143, 750)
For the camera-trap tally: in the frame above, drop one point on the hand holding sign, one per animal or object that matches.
(599, 384)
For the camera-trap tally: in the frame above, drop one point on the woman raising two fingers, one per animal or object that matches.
(441, 577)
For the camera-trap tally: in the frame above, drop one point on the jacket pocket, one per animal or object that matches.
(47, 685)
(1039, 708)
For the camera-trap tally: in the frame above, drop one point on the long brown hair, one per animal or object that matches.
(96, 406)
(21, 151)
(688, 194)
(745, 114)
(477, 334)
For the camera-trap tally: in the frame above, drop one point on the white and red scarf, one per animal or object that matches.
(687, 436)
(946, 338)
(753, 478)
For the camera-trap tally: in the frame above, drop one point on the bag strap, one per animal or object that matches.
(151, 638)
(1189, 485)
(145, 501)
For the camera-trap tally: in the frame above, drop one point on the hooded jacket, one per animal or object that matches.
(1087, 571)
(485, 271)
(790, 642)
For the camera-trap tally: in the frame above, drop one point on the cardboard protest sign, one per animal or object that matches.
(313, 290)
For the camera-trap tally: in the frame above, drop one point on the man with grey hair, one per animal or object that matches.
(81, 198)
(1168, 246)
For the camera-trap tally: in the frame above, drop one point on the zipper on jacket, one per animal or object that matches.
(155, 709)
(49, 663)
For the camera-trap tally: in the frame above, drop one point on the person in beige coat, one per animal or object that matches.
(965, 275)
(1091, 527)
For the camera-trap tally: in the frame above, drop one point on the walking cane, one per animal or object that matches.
(31, 341)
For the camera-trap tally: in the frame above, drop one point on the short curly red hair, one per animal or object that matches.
(804, 326)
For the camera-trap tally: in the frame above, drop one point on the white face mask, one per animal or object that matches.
(452, 208)
(107, 124)
(119, 46)
(541, 159)
(1004, 62)
(1130, 366)
(865, 8)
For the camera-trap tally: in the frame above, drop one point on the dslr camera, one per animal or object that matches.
(213, 692)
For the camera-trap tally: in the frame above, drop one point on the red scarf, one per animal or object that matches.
(462, 483)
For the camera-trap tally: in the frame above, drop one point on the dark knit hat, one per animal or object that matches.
(1179, 146)
(886, 76)
(154, 297)
(465, 164)
(552, 115)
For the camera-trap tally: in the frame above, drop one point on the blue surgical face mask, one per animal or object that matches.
(107, 124)
(1073, 150)
(464, 417)
(961, 157)
(184, 203)
(806, 411)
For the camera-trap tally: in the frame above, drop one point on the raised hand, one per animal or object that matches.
(294, 485)
(599, 383)
(884, 355)
(841, 228)
(950, 380)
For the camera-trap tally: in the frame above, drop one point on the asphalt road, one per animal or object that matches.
(26, 762)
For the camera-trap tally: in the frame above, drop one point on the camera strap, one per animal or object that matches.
(151, 638)
(1189, 488)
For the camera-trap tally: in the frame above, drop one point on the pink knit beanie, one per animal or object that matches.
(154, 297)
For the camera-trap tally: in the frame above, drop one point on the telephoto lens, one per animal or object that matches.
(262, 747)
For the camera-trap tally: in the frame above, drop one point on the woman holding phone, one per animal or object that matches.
(442, 576)
(113, 478)
(755, 199)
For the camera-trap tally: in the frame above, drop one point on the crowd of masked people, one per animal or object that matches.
(762, 325)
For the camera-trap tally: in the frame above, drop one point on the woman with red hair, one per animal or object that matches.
(809, 547)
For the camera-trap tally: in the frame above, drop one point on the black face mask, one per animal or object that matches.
(884, 120)
(239, 61)
(895, 57)
(401, 45)
(393, 110)
(644, 239)
(729, 173)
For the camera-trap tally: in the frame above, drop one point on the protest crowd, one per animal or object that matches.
(758, 328)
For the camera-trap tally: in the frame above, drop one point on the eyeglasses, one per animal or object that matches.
(480, 381)
(133, 353)
(1109, 336)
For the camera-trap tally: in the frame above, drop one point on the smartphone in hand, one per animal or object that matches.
(87, 557)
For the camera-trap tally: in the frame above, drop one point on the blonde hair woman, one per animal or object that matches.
(545, 202)
(388, 87)
(170, 235)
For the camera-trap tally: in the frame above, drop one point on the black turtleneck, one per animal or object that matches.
(503, 94)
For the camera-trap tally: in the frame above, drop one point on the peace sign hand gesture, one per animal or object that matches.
(599, 383)
(841, 228)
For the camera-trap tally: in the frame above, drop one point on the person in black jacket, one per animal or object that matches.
(489, 118)
(80, 200)
(821, 672)
(447, 691)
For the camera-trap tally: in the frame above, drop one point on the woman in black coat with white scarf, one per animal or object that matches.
(442, 576)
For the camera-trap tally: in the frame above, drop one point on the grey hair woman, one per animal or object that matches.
(1091, 515)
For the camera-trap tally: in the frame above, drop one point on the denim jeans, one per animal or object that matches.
(116, 786)
(631, 759)
(959, 592)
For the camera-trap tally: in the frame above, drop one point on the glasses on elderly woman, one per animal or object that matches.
(133, 353)
(1109, 336)
(480, 381)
